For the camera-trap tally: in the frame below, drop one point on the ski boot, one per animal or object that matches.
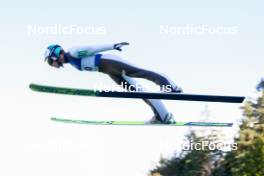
(176, 89)
(168, 120)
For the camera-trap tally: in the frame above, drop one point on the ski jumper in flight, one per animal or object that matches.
(93, 58)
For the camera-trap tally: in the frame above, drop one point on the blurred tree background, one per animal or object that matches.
(246, 160)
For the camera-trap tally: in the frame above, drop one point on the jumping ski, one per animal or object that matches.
(138, 123)
(142, 95)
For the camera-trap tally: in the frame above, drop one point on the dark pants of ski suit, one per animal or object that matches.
(122, 72)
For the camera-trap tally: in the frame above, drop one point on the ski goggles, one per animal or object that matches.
(51, 60)
(52, 54)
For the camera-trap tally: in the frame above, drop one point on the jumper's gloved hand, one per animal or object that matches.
(118, 46)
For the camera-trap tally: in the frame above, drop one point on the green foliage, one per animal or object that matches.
(188, 163)
(247, 160)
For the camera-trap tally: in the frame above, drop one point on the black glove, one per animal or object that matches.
(118, 46)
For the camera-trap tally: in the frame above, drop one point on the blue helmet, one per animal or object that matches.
(53, 52)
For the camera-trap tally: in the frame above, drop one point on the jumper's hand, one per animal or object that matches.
(119, 46)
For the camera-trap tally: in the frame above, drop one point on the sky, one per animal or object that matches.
(201, 63)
